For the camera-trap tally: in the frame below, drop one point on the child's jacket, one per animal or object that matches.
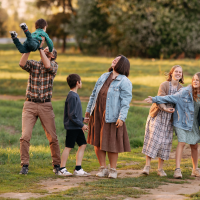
(37, 35)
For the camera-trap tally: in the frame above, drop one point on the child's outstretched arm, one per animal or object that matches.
(49, 43)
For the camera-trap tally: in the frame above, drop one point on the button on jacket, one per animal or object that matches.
(184, 107)
(118, 97)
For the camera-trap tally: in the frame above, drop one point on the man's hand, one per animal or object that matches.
(169, 110)
(85, 128)
(43, 39)
(149, 99)
(119, 123)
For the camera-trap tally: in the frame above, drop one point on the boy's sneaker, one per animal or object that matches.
(146, 170)
(196, 172)
(81, 172)
(112, 173)
(103, 172)
(13, 34)
(64, 172)
(161, 172)
(177, 173)
(24, 170)
(23, 26)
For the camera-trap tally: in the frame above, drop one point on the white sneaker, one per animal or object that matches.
(112, 173)
(81, 172)
(103, 172)
(64, 172)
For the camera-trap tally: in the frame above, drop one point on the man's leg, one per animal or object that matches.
(47, 116)
(29, 118)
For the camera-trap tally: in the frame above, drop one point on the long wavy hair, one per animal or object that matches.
(195, 90)
(122, 66)
(169, 75)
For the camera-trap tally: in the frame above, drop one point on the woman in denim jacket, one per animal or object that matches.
(185, 121)
(108, 108)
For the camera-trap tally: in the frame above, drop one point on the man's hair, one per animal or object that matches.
(40, 23)
(122, 66)
(54, 54)
(72, 80)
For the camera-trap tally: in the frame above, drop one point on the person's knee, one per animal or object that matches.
(194, 147)
(181, 144)
(83, 146)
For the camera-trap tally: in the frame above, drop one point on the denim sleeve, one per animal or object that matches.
(167, 99)
(92, 96)
(29, 65)
(53, 68)
(72, 112)
(125, 99)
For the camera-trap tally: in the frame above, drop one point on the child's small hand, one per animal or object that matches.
(86, 120)
(85, 128)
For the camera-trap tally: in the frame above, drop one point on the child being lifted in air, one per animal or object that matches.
(33, 40)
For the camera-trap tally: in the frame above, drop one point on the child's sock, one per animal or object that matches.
(62, 168)
(78, 167)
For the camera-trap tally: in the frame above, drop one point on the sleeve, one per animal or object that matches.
(49, 43)
(53, 68)
(72, 112)
(89, 105)
(29, 65)
(167, 99)
(126, 97)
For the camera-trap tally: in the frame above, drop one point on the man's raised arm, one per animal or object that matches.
(24, 59)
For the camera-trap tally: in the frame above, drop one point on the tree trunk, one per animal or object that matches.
(64, 43)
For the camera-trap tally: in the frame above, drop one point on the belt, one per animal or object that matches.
(38, 100)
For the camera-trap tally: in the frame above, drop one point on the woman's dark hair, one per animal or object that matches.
(169, 75)
(195, 90)
(40, 23)
(122, 66)
(72, 80)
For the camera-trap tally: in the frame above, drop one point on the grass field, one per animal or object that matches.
(146, 75)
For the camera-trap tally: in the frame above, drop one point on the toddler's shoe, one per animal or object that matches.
(81, 172)
(177, 173)
(161, 172)
(23, 26)
(112, 173)
(13, 34)
(103, 172)
(146, 170)
(196, 172)
(64, 172)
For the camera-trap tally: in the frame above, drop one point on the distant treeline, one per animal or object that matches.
(144, 28)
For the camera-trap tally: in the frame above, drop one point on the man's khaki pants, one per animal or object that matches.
(31, 111)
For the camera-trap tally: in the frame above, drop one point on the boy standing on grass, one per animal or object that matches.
(33, 40)
(73, 123)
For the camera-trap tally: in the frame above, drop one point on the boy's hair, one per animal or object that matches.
(72, 80)
(40, 23)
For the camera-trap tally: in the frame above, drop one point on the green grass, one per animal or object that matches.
(40, 159)
(145, 74)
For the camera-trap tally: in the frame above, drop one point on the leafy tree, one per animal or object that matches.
(58, 23)
(3, 18)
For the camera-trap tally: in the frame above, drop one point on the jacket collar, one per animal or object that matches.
(118, 78)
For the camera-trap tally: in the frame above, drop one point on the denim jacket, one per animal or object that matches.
(118, 97)
(184, 107)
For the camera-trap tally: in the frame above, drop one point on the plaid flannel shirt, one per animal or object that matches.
(40, 82)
